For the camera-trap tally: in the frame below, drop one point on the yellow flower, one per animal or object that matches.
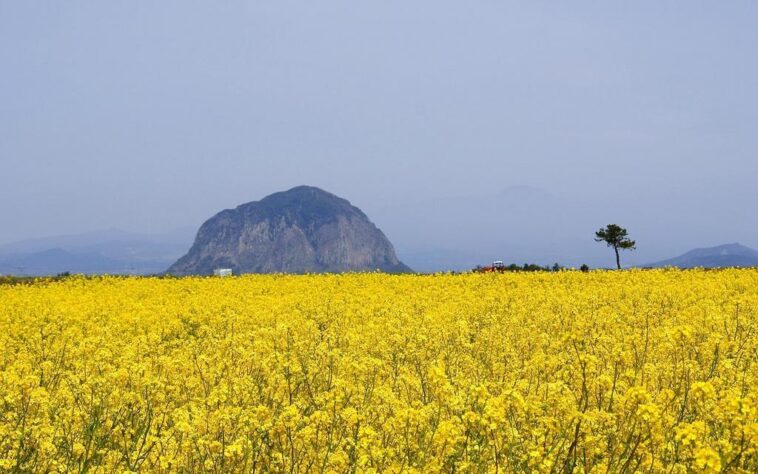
(77, 449)
(707, 460)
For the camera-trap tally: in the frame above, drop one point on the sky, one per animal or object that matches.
(148, 116)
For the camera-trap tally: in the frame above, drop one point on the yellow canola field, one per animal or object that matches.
(634, 371)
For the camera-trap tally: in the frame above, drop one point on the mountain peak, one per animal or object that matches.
(734, 247)
(303, 229)
(302, 192)
(726, 255)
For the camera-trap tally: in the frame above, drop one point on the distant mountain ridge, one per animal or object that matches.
(109, 251)
(304, 229)
(437, 234)
(57, 260)
(728, 255)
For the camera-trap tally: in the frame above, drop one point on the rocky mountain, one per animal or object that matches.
(301, 230)
(729, 255)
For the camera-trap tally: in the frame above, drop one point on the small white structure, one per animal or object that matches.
(222, 272)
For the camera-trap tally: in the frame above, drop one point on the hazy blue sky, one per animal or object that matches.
(148, 115)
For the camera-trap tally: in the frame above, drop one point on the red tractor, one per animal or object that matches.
(497, 266)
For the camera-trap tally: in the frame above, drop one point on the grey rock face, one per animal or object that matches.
(301, 230)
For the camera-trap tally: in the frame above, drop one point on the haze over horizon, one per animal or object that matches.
(474, 128)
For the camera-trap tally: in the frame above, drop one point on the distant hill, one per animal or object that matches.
(729, 255)
(305, 229)
(107, 251)
(54, 261)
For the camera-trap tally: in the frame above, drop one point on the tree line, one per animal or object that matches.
(613, 235)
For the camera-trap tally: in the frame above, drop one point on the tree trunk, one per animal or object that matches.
(618, 260)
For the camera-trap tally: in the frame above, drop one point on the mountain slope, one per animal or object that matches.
(729, 255)
(301, 230)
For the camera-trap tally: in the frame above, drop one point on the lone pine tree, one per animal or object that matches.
(617, 237)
